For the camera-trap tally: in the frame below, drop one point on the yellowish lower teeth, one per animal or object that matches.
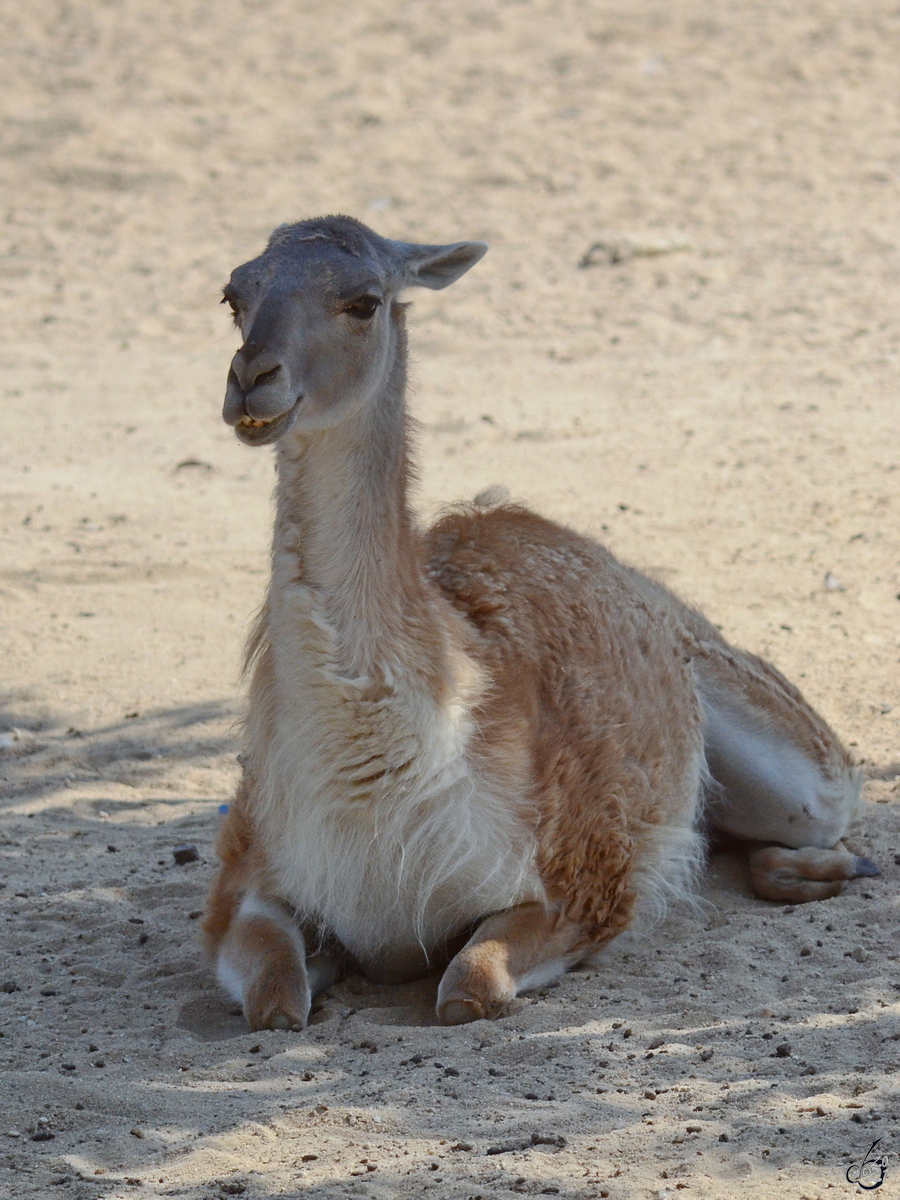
(252, 423)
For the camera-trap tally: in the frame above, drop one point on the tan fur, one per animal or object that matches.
(491, 731)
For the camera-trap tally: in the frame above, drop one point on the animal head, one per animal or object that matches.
(317, 314)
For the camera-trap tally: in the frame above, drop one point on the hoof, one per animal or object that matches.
(278, 1018)
(864, 866)
(282, 1020)
(460, 1012)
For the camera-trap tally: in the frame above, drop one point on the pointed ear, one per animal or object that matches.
(439, 266)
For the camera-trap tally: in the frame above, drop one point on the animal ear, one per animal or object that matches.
(438, 266)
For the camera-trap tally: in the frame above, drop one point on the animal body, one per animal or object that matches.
(488, 744)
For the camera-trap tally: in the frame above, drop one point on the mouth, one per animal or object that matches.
(255, 432)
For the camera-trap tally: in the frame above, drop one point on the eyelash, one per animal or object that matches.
(235, 315)
(363, 308)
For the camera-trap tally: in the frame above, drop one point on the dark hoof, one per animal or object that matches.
(865, 866)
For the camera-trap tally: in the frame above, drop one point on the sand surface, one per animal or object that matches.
(684, 339)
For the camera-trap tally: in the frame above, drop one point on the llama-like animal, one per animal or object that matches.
(487, 744)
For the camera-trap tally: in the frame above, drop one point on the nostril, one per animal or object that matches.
(265, 377)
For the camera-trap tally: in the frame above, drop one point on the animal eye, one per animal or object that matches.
(363, 307)
(235, 313)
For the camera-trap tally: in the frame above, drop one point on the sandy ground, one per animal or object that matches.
(712, 388)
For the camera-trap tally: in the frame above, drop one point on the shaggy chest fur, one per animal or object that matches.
(377, 825)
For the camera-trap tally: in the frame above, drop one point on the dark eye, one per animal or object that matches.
(363, 307)
(235, 313)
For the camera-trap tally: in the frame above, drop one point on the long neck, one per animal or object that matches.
(344, 528)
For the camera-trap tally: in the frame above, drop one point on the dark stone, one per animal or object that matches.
(548, 1139)
(185, 854)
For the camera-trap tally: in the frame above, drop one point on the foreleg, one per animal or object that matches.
(262, 962)
(255, 941)
(508, 953)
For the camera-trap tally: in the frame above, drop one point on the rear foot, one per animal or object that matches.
(800, 876)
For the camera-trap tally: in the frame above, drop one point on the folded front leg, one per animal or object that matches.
(508, 953)
(262, 962)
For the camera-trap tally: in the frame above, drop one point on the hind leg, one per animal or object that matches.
(796, 876)
(780, 776)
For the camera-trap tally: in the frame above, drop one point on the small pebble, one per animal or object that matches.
(43, 1135)
(784, 1050)
(723, 1137)
(706, 1055)
(185, 854)
(9, 987)
(859, 954)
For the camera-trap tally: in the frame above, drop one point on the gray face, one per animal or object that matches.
(315, 313)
